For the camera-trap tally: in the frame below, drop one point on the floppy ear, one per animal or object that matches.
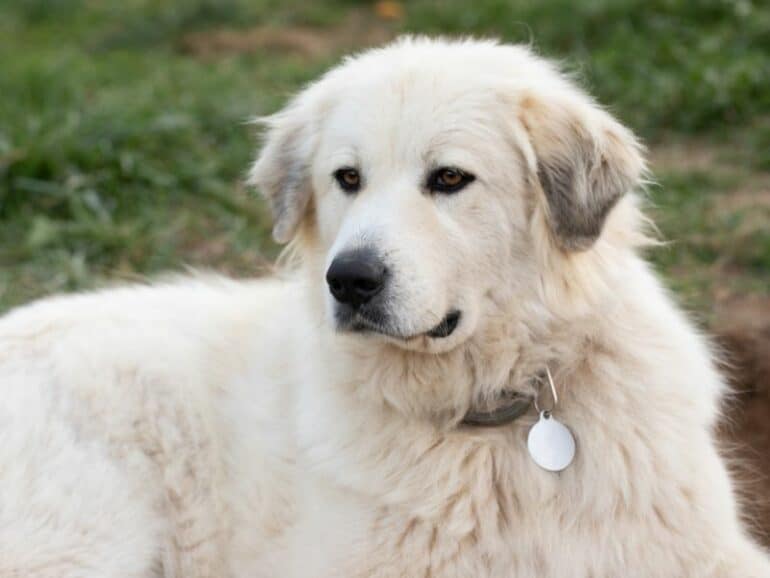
(282, 169)
(585, 162)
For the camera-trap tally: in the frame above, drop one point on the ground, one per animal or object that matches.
(124, 139)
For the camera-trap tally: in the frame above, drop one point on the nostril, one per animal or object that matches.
(337, 289)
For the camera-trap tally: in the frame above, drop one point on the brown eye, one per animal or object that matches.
(349, 179)
(448, 180)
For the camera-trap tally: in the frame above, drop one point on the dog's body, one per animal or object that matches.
(209, 428)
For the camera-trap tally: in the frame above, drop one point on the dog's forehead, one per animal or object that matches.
(415, 92)
(411, 114)
(407, 102)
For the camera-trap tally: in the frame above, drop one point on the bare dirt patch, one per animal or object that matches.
(358, 29)
(743, 329)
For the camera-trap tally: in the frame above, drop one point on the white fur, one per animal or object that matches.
(211, 428)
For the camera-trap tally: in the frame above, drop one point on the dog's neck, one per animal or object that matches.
(388, 424)
(475, 385)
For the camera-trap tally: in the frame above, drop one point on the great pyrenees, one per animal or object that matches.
(467, 371)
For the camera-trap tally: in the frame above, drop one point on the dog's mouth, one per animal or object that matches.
(445, 327)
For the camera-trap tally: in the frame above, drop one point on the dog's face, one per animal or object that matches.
(423, 176)
(411, 211)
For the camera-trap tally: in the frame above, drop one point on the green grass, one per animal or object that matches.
(122, 153)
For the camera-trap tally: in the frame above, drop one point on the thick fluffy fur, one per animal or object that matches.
(210, 428)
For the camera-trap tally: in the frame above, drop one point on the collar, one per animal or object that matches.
(513, 405)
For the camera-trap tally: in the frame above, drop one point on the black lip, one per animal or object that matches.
(365, 322)
(446, 327)
(373, 322)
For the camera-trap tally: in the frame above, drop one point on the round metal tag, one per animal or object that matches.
(551, 444)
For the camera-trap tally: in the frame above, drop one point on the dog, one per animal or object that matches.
(465, 367)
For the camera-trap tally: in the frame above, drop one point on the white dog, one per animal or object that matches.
(466, 224)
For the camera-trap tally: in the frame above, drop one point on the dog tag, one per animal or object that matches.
(550, 443)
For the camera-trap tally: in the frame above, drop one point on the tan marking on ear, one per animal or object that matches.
(586, 161)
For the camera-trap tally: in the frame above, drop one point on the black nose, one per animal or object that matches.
(356, 276)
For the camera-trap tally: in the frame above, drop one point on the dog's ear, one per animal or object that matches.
(585, 161)
(282, 169)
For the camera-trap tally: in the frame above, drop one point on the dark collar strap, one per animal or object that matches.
(512, 406)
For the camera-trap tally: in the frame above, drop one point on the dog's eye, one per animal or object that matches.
(448, 180)
(349, 179)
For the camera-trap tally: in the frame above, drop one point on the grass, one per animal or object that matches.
(122, 149)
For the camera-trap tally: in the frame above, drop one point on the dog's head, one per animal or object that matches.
(427, 180)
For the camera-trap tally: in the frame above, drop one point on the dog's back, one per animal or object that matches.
(119, 429)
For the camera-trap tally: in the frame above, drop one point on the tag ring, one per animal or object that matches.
(547, 412)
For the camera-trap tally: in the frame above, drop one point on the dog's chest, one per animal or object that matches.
(489, 510)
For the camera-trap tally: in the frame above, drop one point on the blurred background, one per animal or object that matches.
(123, 141)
